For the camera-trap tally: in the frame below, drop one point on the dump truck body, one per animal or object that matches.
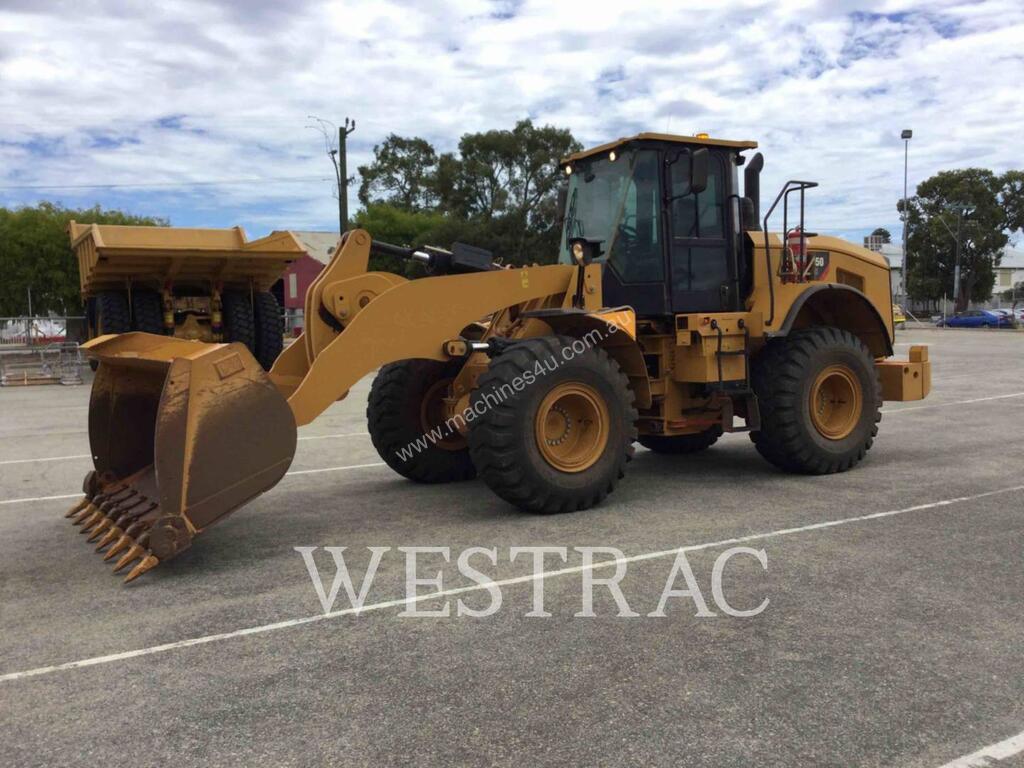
(537, 379)
(203, 284)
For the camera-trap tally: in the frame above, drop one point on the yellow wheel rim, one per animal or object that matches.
(836, 402)
(572, 427)
(433, 414)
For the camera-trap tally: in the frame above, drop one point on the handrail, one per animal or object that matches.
(793, 185)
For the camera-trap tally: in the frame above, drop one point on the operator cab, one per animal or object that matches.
(664, 214)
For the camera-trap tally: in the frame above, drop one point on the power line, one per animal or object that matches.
(223, 182)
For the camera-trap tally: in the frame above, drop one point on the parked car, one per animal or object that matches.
(1017, 314)
(977, 318)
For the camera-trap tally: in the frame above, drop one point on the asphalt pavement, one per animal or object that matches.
(893, 633)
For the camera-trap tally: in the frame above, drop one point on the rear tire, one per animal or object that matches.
(552, 430)
(403, 409)
(681, 444)
(112, 313)
(239, 323)
(269, 329)
(820, 400)
(147, 311)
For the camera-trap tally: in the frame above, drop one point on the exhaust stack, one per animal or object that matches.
(752, 186)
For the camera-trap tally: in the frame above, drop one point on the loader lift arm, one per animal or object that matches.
(321, 369)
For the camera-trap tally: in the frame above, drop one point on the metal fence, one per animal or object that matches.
(54, 363)
(35, 331)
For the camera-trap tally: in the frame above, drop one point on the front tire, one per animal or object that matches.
(553, 427)
(405, 417)
(820, 400)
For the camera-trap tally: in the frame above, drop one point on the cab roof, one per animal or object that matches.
(669, 137)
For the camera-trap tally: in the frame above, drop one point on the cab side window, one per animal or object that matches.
(701, 215)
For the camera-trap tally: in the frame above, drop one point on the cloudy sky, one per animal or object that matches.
(165, 102)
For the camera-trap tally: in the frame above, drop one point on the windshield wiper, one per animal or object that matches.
(570, 218)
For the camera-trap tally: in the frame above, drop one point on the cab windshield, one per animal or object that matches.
(617, 202)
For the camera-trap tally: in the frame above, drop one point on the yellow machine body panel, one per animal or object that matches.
(830, 262)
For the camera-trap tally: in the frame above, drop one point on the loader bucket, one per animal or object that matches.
(182, 433)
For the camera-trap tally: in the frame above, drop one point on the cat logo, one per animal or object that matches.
(524, 277)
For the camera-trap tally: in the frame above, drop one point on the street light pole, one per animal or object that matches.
(906, 135)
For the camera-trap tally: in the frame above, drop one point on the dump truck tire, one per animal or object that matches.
(680, 444)
(820, 401)
(553, 425)
(111, 316)
(112, 313)
(147, 311)
(405, 405)
(269, 329)
(239, 323)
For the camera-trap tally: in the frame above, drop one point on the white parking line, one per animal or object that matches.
(340, 434)
(43, 498)
(287, 474)
(288, 623)
(958, 402)
(87, 456)
(49, 458)
(983, 757)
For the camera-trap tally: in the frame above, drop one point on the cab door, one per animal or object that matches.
(700, 267)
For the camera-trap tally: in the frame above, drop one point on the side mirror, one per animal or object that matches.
(563, 199)
(699, 162)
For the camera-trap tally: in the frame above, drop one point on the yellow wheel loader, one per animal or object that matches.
(673, 315)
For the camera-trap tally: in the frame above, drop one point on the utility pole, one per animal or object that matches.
(906, 135)
(342, 169)
(339, 160)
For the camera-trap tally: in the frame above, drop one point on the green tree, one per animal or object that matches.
(35, 254)
(883, 233)
(933, 225)
(499, 191)
(401, 174)
(398, 226)
(1011, 194)
(510, 177)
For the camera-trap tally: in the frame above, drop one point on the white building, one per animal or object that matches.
(1009, 272)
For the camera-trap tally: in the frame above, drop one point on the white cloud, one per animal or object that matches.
(824, 86)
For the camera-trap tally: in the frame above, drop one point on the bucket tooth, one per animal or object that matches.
(108, 537)
(148, 563)
(78, 507)
(104, 524)
(122, 543)
(92, 520)
(134, 553)
(89, 510)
